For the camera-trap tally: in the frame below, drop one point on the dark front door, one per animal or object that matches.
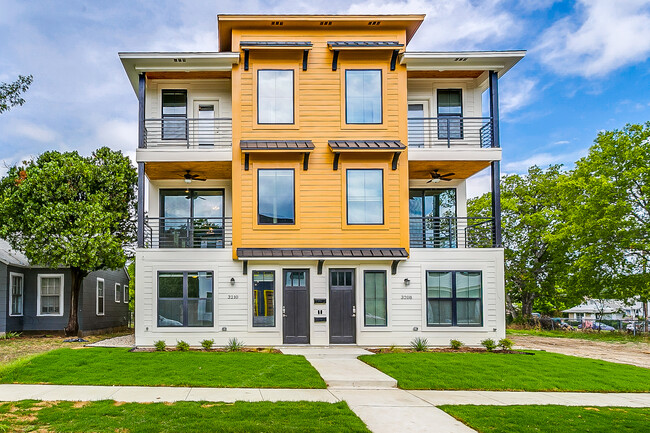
(342, 306)
(295, 311)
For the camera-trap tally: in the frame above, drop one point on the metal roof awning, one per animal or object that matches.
(276, 45)
(253, 146)
(338, 146)
(336, 46)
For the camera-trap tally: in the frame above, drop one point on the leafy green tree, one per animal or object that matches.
(66, 210)
(131, 270)
(11, 93)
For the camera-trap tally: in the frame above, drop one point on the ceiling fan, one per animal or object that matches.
(437, 177)
(190, 177)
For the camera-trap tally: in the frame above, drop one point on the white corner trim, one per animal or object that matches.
(97, 313)
(11, 278)
(61, 295)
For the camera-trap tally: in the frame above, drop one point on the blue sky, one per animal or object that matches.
(587, 67)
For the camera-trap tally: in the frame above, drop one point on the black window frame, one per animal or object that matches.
(185, 299)
(293, 97)
(347, 198)
(452, 236)
(275, 298)
(454, 299)
(441, 131)
(381, 96)
(163, 117)
(365, 318)
(293, 175)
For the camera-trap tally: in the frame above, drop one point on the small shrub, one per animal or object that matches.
(9, 335)
(395, 349)
(207, 344)
(182, 346)
(506, 344)
(419, 344)
(489, 344)
(160, 346)
(234, 345)
(456, 344)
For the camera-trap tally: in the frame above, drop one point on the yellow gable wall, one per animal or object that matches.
(319, 116)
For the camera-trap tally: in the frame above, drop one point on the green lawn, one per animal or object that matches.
(108, 416)
(493, 371)
(103, 366)
(551, 419)
(617, 337)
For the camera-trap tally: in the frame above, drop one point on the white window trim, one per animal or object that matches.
(97, 297)
(22, 305)
(38, 298)
(118, 290)
(125, 293)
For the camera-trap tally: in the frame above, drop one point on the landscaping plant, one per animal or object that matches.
(234, 345)
(419, 344)
(160, 346)
(10, 335)
(456, 344)
(506, 344)
(182, 346)
(207, 344)
(489, 344)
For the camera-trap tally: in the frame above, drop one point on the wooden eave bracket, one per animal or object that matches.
(245, 267)
(395, 159)
(335, 59)
(320, 267)
(393, 61)
(305, 55)
(246, 161)
(393, 267)
(337, 156)
(246, 57)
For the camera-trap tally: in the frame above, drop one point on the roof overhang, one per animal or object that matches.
(499, 61)
(138, 62)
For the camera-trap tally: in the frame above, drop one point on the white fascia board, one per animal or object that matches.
(182, 154)
(500, 61)
(455, 153)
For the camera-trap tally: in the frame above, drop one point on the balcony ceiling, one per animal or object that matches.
(462, 169)
(175, 170)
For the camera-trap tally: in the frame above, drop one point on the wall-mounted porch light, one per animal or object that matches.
(407, 282)
(232, 281)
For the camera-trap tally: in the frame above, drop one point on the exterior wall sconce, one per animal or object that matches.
(232, 281)
(407, 282)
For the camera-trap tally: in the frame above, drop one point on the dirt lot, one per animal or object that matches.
(625, 353)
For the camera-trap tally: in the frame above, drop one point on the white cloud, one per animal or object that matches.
(479, 184)
(544, 159)
(33, 131)
(601, 37)
(516, 94)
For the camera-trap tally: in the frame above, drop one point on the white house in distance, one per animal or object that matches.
(611, 309)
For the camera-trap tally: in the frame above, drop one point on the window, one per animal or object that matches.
(174, 114)
(432, 215)
(185, 299)
(450, 112)
(50, 295)
(365, 196)
(275, 96)
(416, 125)
(275, 196)
(374, 287)
(16, 291)
(118, 293)
(100, 297)
(454, 298)
(264, 298)
(363, 91)
(126, 293)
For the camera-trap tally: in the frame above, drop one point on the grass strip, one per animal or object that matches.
(606, 336)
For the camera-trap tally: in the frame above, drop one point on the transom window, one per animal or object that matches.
(454, 298)
(50, 289)
(16, 291)
(264, 298)
(363, 96)
(275, 96)
(174, 114)
(375, 309)
(365, 196)
(275, 196)
(185, 299)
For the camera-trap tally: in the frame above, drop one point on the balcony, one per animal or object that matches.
(451, 232)
(181, 132)
(172, 232)
(437, 132)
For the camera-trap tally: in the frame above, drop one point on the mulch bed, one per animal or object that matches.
(218, 349)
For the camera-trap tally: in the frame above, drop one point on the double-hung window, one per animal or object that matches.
(365, 196)
(174, 114)
(50, 295)
(100, 297)
(126, 293)
(118, 293)
(454, 298)
(264, 299)
(363, 96)
(275, 96)
(275, 196)
(374, 292)
(185, 299)
(16, 290)
(450, 113)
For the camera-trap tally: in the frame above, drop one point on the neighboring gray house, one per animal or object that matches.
(34, 298)
(612, 309)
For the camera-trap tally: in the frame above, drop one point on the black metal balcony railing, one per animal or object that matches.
(441, 131)
(451, 232)
(189, 133)
(188, 232)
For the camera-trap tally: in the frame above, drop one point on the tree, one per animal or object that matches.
(10, 93)
(534, 256)
(63, 209)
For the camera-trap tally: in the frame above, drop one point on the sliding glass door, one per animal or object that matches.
(433, 218)
(192, 218)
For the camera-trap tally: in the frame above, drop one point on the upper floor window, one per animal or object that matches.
(174, 114)
(275, 96)
(275, 196)
(450, 112)
(454, 298)
(365, 196)
(363, 96)
(432, 215)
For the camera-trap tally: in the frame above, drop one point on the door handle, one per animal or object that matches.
(354, 311)
(284, 311)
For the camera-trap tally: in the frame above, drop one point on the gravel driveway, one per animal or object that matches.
(624, 353)
(121, 341)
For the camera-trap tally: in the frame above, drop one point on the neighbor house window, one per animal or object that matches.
(275, 96)
(16, 290)
(126, 293)
(264, 298)
(374, 291)
(118, 293)
(50, 295)
(275, 196)
(185, 299)
(365, 196)
(174, 114)
(363, 100)
(450, 112)
(454, 298)
(100, 297)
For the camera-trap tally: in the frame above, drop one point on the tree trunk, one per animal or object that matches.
(527, 304)
(77, 277)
